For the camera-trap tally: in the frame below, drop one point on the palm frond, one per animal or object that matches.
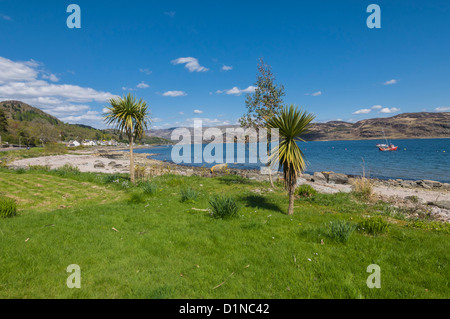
(128, 115)
(291, 123)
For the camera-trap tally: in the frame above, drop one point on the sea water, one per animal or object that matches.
(415, 158)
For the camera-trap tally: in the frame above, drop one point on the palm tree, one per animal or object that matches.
(130, 117)
(291, 124)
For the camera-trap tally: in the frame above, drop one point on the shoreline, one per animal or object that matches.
(430, 196)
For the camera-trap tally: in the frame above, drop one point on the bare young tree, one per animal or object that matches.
(265, 102)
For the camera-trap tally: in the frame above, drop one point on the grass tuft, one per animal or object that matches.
(305, 190)
(188, 195)
(341, 230)
(223, 206)
(8, 207)
(374, 226)
(148, 188)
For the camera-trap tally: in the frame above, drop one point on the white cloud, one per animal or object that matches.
(143, 85)
(362, 111)
(146, 71)
(376, 107)
(205, 122)
(124, 88)
(20, 81)
(198, 111)
(227, 68)
(389, 110)
(318, 93)
(50, 77)
(191, 64)
(442, 109)
(390, 82)
(65, 110)
(174, 93)
(156, 120)
(40, 88)
(181, 113)
(16, 71)
(90, 115)
(236, 91)
(170, 13)
(5, 17)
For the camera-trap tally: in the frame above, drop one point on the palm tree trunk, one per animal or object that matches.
(131, 160)
(271, 180)
(291, 203)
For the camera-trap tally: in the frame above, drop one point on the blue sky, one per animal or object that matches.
(197, 59)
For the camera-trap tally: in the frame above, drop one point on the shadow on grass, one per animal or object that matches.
(233, 179)
(258, 201)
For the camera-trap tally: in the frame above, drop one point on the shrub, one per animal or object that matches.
(188, 195)
(341, 230)
(223, 206)
(111, 178)
(374, 225)
(8, 207)
(305, 190)
(363, 189)
(414, 199)
(148, 187)
(139, 172)
(20, 170)
(3, 162)
(68, 169)
(39, 167)
(136, 198)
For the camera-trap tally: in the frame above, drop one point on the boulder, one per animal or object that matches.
(327, 174)
(432, 184)
(336, 178)
(422, 184)
(319, 177)
(442, 204)
(406, 184)
(99, 165)
(300, 181)
(351, 180)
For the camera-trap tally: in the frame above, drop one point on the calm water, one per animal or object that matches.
(415, 159)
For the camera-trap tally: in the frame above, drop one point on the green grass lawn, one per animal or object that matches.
(163, 248)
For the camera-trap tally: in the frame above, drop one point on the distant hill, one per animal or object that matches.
(30, 125)
(33, 126)
(20, 111)
(402, 126)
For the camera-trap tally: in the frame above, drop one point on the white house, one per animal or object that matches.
(89, 143)
(74, 144)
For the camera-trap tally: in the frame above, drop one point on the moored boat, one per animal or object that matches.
(391, 147)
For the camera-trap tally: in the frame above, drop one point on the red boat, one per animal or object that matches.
(389, 148)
